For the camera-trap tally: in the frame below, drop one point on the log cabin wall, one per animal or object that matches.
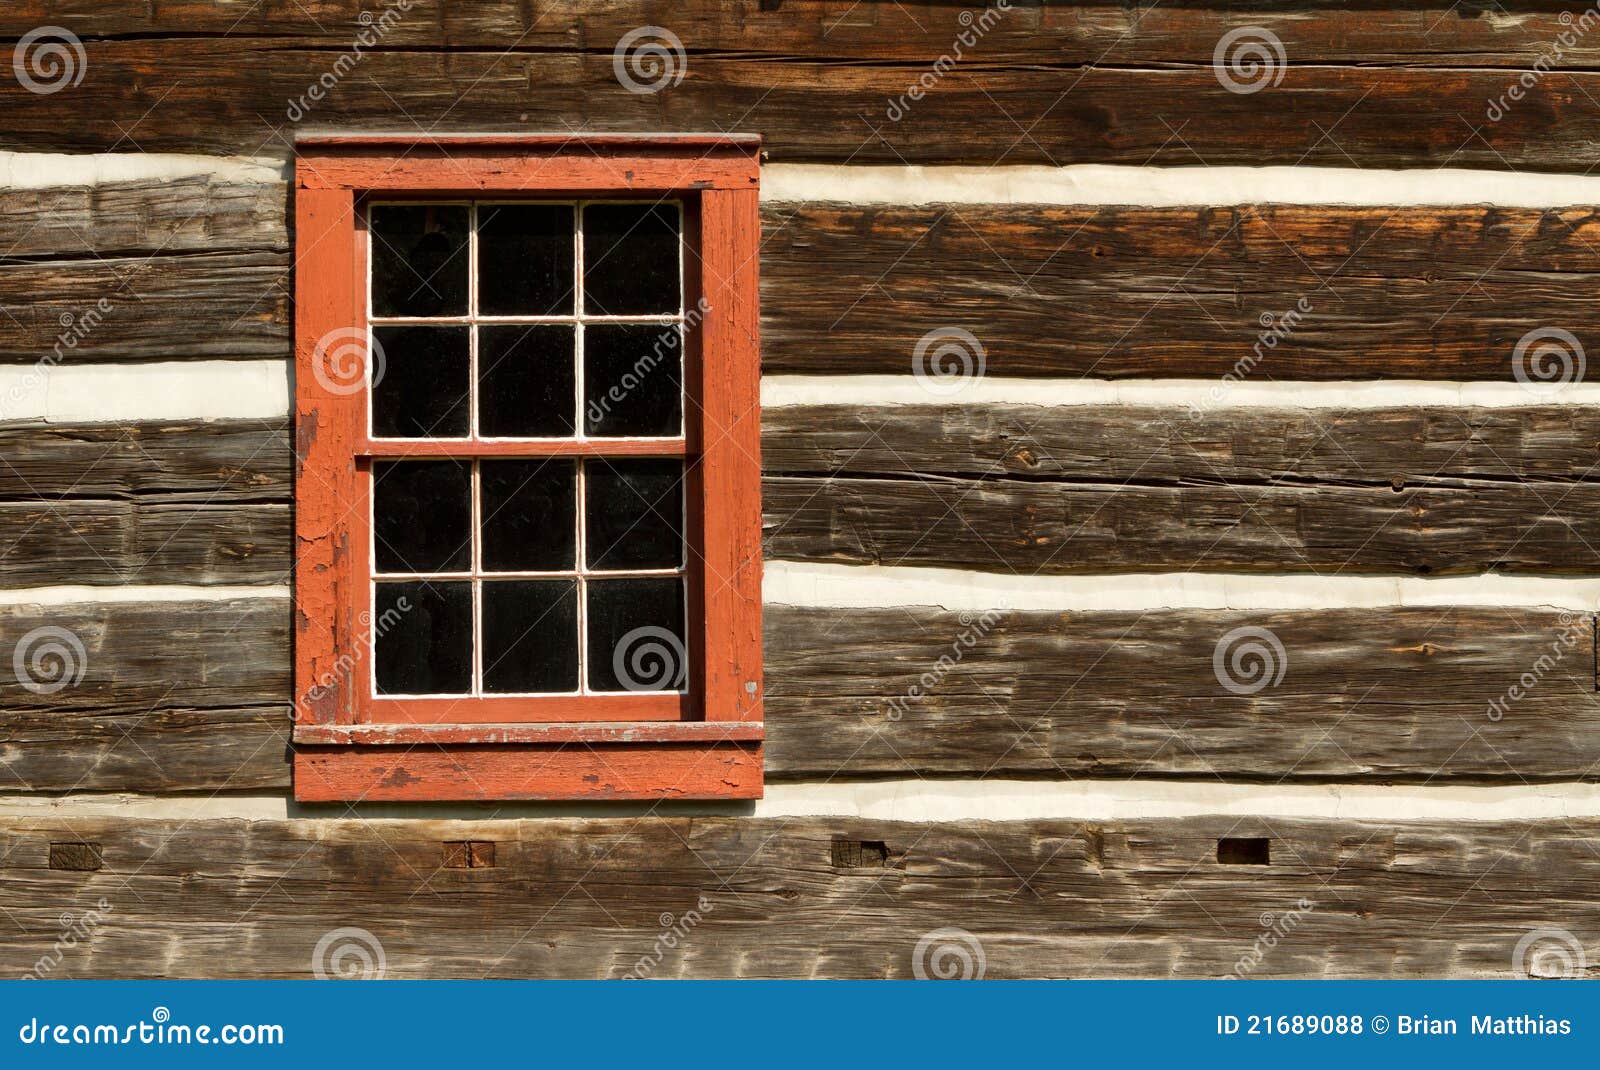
(1181, 534)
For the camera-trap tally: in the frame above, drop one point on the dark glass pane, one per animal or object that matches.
(422, 637)
(526, 381)
(424, 376)
(525, 254)
(633, 514)
(632, 379)
(530, 635)
(529, 515)
(636, 635)
(422, 516)
(630, 259)
(419, 259)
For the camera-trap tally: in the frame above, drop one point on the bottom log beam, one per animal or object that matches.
(716, 896)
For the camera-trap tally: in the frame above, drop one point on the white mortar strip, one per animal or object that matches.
(911, 800)
(792, 583)
(1161, 187)
(44, 170)
(173, 390)
(70, 595)
(1179, 395)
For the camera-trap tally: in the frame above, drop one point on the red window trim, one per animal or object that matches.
(646, 746)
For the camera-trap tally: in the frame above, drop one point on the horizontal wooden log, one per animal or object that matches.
(232, 305)
(194, 213)
(1395, 693)
(1048, 32)
(224, 461)
(1070, 490)
(1400, 694)
(46, 542)
(244, 93)
(746, 897)
(1257, 292)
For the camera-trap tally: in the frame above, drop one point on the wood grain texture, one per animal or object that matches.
(1394, 694)
(1288, 292)
(1391, 695)
(199, 461)
(228, 305)
(763, 898)
(815, 99)
(1067, 490)
(194, 213)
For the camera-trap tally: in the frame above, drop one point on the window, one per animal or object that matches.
(528, 497)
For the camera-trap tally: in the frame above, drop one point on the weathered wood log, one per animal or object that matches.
(244, 93)
(1256, 292)
(1071, 490)
(748, 897)
(112, 542)
(146, 308)
(224, 461)
(1401, 694)
(195, 213)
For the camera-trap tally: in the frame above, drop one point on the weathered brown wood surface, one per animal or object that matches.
(166, 85)
(198, 461)
(198, 305)
(747, 897)
(1064, 490)
(1293, 292)
(1399, 694)
(173, 215)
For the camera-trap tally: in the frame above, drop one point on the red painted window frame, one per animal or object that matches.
(588, 747)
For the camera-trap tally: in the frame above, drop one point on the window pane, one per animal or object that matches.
(636, 635)
(633, 379)
(530, 635)
(630, 260)
(424, 646)
(425, 381)
(525, 255)
(633, 514)
(419, 259)
(526, 381)
(422, 516)
(529, 515)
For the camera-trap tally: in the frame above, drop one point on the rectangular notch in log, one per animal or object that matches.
(1244, 851)
(76, 857)
(860, 854)
(468, 854)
